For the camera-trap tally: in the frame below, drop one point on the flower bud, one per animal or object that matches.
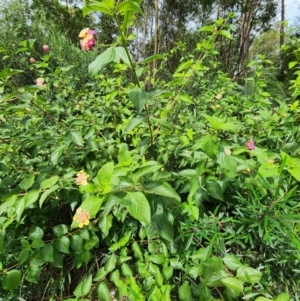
(46, 48)
(32, 60)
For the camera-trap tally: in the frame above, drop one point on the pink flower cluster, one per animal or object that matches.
(250, 144)
(87, 39)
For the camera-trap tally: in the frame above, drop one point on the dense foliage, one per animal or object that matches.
(123, 181)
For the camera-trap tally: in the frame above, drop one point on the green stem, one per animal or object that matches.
(134, 74)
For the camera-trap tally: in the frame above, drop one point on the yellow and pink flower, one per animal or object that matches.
(87, 39)
(82, 217)
(82, 178)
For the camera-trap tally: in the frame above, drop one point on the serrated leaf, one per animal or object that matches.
(225, 34)
(46, 193)
(86, 285)
(232, 262)
(62, 244)
(138, 97)
(47, 183)
(295, 172)
(102, 60)
(124, 157)
(215, 190)
(76, 138)
(121, 55)
(263, 299)
(23, 256)
(184, 292)
(128, 6)
(27, 182)
(60, 230)
(110, 263)
(138, 206)
(105, 174)
(248, 274)
(94, 6)
(92, 204)
(234, 284)
(103, 292)
(47, 253)
(31, 197)
(283, 297)
(133, 123)
(152, 58)
(164, 189)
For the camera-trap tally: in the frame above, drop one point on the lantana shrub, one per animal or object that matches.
(116, 190)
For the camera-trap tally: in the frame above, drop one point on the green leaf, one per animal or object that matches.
(226, 161)
(166, 292)
(138, 206)
(60, 230)
(105, 174)
(110, 263)
(202, 254)
(128, 6)
(92, 204)
(47, 183)
(31, 197)
(207, 28)
(121, 243)
(62, 244)
(57, 154)
(269, 170)
(164, 189)
(100, 275)
(76, 138)
(263, 299)
(46, 193)
(136, 250)
(215, 190)
(11, 280)
(232, 283)
(27, 182)
(86, 285)
(124, 157)
(152, 58)
(232, 262)
(47, 253)
(126, 270)
(184, 292)
(20, 206)
(101, 7)
(105, 223)
(23, 256)
(35, 232)
(133, 123)
(138, 97)
(210, 146)
(37, 243)
(293, 64)
(295, 172)
(76, 243)
(121, 55)
(102, 61)
(283, 297)
(225, 34)
(103, 292)
(248, 274)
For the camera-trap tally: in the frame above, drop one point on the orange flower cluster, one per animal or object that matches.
(87, 39)
(82, 178)
(82, 217)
